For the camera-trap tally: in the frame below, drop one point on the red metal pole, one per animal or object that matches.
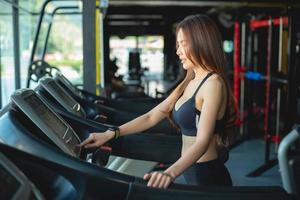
(236, 63)
(268, 74)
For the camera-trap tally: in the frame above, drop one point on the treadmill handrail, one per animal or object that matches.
(285, 171)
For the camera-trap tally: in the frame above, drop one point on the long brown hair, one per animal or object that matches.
(205, 49)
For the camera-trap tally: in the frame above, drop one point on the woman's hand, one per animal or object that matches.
(97, 139)
(159, 179)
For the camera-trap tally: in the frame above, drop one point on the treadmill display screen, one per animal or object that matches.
(64, 79)
(47, 116)
(8, 184)
(62, 94)
(66, 99)
(70, 86)
(54, 123)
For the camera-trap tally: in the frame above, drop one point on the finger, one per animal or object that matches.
(146, 176)
(158, 179)
(167, 183)
(91, 145)
(152, 179)
(88, 140)
(162, 182)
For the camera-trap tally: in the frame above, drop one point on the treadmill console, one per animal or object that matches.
(14, 184)
(67, 101)
(60, 77)
(47, 120)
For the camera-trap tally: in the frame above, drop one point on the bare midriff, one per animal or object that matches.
(211, 152)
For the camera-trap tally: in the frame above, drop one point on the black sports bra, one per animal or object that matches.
(187, 116)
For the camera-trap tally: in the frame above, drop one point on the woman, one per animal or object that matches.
(201, 106)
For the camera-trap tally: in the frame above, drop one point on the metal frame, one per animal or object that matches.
(16, 35)
(50, 26)
(0, 74)
(291, 102)
(42, 13)
(89, 45)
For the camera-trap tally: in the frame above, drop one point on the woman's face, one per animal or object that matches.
(182, 46)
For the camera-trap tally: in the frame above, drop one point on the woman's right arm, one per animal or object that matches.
(136, 125)
(144, 121)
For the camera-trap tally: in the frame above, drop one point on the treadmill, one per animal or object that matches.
(59, 98)
(44, 145)
(137, 105)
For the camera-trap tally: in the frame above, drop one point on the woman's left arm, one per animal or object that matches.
(212, 102)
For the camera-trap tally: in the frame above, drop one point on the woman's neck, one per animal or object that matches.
(200, 73)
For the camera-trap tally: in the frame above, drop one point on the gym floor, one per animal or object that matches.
(248, 156)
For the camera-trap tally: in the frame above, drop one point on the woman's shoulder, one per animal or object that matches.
(213, 85)
(215, 77)
(214, 81)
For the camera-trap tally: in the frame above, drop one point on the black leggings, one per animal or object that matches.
(208, 173)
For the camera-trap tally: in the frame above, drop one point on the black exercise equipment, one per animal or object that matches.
(60, 99)
(135, 70)
(38, 69)
(264, 65)
(31, 118)
(68, 178)
(45, 150)
(59, 176)
(34, 50)
(136, 105)
(14, 184)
